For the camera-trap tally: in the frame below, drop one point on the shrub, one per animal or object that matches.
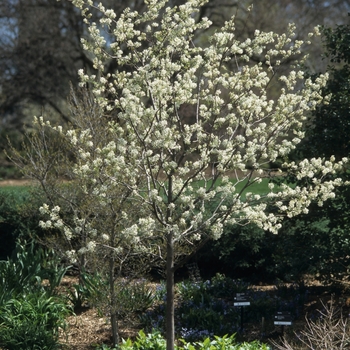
(200, 320)
(203, 309)
(241, 251)
(19, 216)
(11, 223)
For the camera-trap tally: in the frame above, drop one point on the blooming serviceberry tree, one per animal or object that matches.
(193, 130)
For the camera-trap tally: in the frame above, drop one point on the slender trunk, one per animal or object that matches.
(170, 284)
(115, 331)
(81, 269)
(114, 319)
(170, 315)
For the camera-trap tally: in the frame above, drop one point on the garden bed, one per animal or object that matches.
(87, 328)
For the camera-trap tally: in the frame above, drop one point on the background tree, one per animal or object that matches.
(40, 54)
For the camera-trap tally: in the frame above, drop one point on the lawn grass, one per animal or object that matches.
(256, 188)
(261, 188)
(14, 195)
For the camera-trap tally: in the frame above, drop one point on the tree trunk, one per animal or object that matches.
(114, 319)
(170, 326)
(115, 331)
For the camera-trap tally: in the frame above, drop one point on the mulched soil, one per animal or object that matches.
(87, 328)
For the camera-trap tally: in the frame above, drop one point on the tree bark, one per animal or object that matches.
(170, 325)
(114, 319)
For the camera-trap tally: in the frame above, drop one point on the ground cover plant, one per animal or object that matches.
(156, 341)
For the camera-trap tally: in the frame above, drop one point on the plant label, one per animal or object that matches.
(283, 318)
(241, 299)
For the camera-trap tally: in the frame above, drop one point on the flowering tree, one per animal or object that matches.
(189, 137)
(79, 170)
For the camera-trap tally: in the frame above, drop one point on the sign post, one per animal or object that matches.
(283, 318)
(241, 300)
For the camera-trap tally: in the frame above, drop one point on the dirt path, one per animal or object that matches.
(16, 182)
